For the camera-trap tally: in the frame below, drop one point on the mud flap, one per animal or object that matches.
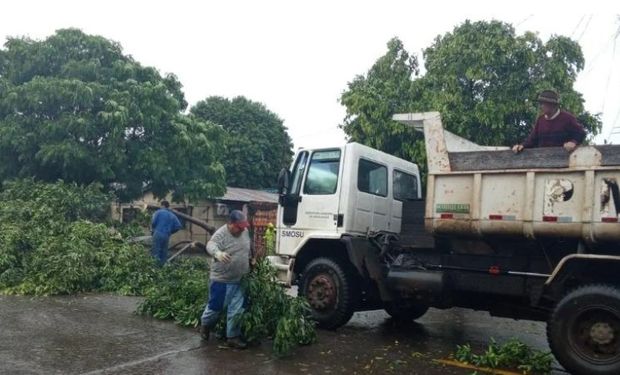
(365, 257)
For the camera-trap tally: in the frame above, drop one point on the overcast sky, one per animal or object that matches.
(297, 57)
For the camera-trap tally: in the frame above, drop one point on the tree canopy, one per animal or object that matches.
(372, 99)
(256, 144)
(481, 77)
(74, 107)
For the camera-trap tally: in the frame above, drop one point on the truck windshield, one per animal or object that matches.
(323, 173)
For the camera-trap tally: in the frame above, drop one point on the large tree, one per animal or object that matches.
(484, 80)
(257, 144)
(481, 77)
(74, 107)
(372, 99)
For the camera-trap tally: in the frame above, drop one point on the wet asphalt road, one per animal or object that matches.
(100, 334)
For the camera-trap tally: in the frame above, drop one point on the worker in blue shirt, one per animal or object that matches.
(164, 224)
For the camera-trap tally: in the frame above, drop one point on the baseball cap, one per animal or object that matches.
(238, 219)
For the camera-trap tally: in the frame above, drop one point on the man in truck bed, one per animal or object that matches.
(554, 128)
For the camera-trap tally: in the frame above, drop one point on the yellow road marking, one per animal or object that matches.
(454, 363)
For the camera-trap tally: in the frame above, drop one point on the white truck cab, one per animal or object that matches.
(353, 190)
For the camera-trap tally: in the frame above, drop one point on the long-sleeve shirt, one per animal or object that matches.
(239, 250)
(555, 131)
(165, 222)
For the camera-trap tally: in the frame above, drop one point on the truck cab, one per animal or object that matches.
(331, 199)
(350, 190)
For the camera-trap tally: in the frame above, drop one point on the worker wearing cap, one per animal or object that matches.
(230, 248)
(554, 128)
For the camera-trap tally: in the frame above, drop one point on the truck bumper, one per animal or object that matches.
(284, 268)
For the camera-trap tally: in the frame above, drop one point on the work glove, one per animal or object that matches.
(570, 146)
(222, 256)
(199, 245)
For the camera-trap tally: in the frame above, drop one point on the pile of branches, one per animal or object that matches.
(59, 239)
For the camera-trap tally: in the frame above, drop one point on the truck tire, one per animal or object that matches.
(403, 310)
(331, 290)
(584, 330)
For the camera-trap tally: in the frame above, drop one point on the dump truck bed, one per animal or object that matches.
(478, 191)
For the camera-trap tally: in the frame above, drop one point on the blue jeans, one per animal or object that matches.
(224, 295)
(160, 247)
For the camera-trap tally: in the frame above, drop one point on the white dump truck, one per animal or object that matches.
(532, 236)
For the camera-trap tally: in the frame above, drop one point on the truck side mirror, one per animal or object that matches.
(283, 181)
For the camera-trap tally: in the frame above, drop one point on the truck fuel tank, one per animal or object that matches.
(416, 281)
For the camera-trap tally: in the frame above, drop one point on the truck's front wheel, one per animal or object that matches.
(331, 291)
(584, 330)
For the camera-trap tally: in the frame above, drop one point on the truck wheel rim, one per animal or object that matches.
(595, 335)
(322, 293)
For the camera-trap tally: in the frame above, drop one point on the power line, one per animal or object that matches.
(585, 28)
(524, 20)
(600, 53)
(611, 70)
(611, 67)
(577, 26)
(615, 127)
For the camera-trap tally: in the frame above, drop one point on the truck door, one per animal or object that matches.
(312, 204)
(290, 203)
(404, 188)
(372, 212)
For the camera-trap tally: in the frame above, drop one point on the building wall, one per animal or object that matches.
(260, 214)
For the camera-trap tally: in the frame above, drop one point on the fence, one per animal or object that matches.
(260, 215)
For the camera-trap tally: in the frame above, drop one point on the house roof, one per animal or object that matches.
(248, 195)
